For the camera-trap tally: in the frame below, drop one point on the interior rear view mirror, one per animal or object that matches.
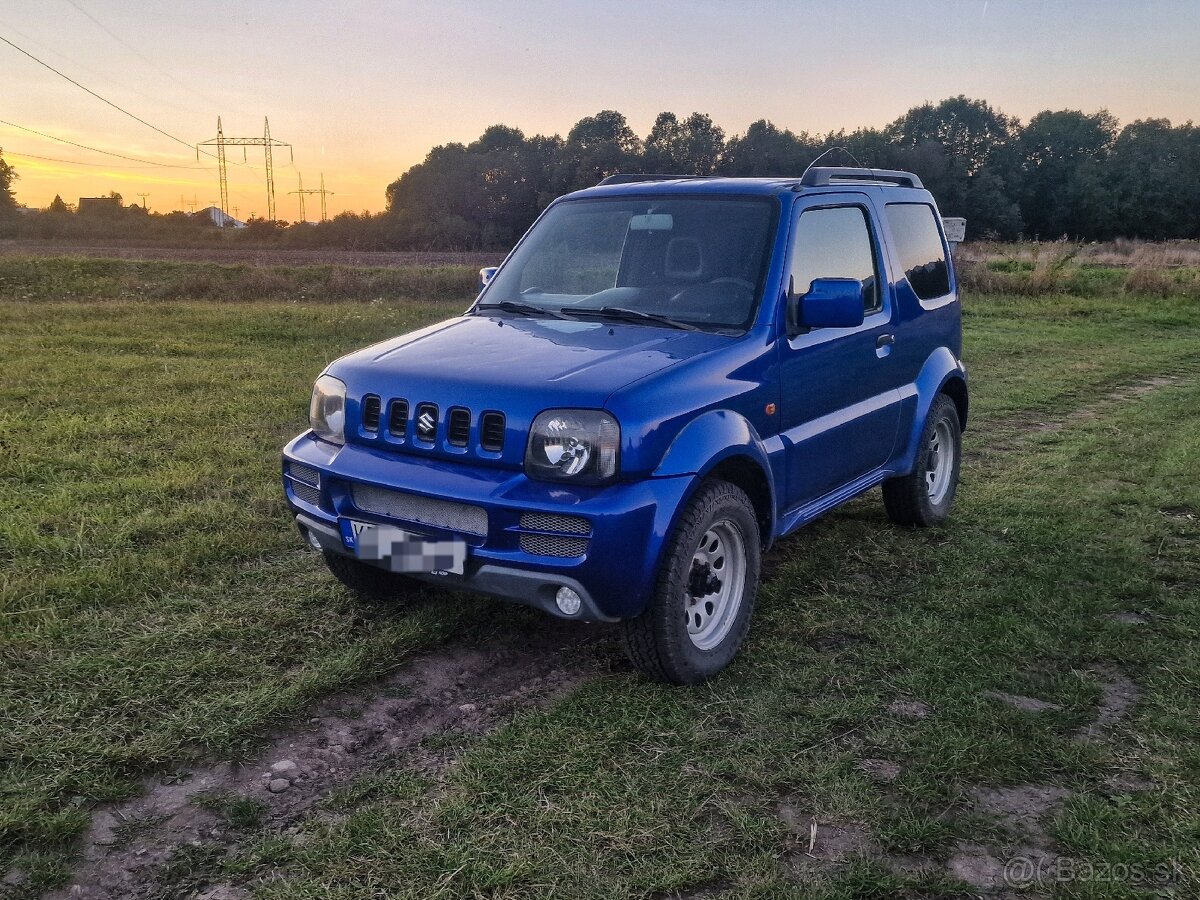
(652, 222)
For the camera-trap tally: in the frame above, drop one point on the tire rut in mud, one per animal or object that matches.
(459, 689)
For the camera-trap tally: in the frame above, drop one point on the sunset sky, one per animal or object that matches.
(362, 90)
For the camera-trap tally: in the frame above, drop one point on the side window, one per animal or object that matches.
(835, 242)
(919, 246)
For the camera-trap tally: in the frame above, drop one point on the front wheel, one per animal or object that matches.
(924, 497)
(704, 594)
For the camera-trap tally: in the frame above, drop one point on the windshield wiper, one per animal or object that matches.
(523, 309)
(628, 315)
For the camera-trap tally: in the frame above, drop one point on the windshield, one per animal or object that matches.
(689, 261)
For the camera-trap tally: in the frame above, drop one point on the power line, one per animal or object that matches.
(88, 90)
(75, 162)
(9, 28)
(51, 137)
(138, 53)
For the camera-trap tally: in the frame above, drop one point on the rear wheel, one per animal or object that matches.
(924, 497)
(704, 594)
(369, 582)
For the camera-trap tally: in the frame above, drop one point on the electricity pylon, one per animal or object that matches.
(324, 217)
(302, 192)
(143, 196)
(266, 142)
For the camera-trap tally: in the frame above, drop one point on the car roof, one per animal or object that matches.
(814, 181)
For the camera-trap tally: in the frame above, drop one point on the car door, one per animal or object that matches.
(839, 400)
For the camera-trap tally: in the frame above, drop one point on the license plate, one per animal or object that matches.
(402, 551)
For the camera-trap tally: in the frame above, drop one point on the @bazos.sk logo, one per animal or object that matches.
(1022, 871)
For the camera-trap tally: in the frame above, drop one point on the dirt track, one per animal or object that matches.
(468, 690)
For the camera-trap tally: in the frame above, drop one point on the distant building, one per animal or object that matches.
(220, 219)
(99, 206)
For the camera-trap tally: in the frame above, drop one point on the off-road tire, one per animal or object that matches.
(907, 498)
(657, 641)
(367, 581)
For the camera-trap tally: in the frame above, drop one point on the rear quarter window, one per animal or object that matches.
(919, 246)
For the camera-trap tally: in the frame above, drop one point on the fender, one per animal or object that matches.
(709, 440)
(939, 369)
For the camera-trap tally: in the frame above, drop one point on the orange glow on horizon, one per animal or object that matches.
(363, 90)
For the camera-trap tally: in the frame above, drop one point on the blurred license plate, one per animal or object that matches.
(403, 551)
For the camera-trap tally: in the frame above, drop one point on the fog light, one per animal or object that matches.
(568, 601)
(312, 539)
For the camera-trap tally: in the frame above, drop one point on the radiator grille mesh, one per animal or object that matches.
(446, 514)
(553, 545)
(304, 473)
(538, 521)
(306, 493)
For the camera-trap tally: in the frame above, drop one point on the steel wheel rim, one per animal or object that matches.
(939, 462)
(716, 584)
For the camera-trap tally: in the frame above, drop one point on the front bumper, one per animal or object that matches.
(613, 575)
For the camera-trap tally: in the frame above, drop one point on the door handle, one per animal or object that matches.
(884, 339)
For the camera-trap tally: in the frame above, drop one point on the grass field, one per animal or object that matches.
(1023, 683)
(48, 279)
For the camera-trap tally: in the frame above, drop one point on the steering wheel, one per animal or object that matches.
(729, 279)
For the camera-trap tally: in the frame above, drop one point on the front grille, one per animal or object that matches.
(306, 493)
(427, 419)
(304, 473)
(491, 432)
(424, 421)
(539, 521)
(461, 517)
(398, 419)
(553, 545)
(370, 413)
(458, 427)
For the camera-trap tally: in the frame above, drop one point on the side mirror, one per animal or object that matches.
(829, 303)
(486, 275)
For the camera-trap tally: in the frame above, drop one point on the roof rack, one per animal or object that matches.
(633, 178)
(826, 175)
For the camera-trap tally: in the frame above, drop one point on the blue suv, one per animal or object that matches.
(664, 376)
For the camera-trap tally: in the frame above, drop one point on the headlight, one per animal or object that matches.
(576, 445)
(327, 409)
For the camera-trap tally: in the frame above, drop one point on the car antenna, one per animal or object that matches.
(825, 153)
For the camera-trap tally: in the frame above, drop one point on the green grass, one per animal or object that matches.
(238, 811)
(155, 608)
(154, 602)
(55, 279)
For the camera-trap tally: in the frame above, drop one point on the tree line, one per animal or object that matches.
(1063, 173)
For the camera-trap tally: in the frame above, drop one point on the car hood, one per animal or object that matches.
(519, 366)
(585, 361)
